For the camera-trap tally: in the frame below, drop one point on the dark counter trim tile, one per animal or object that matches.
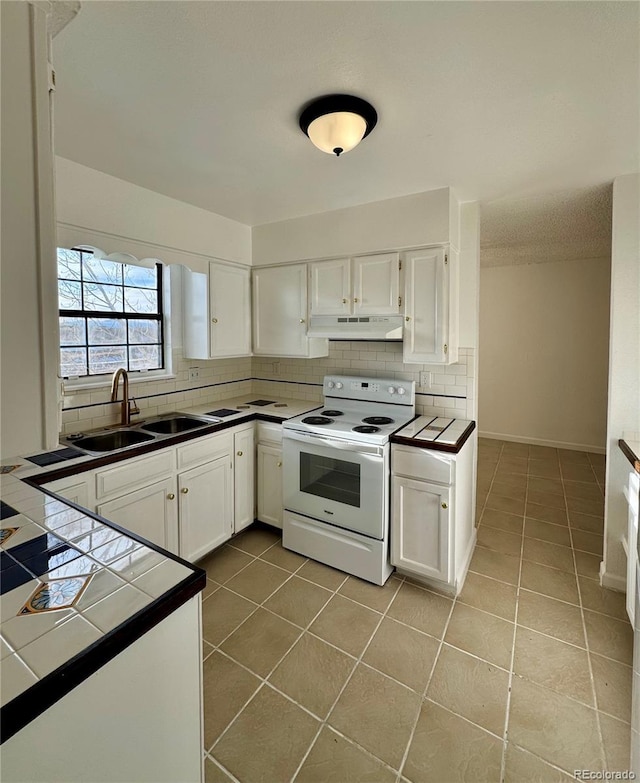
(628, 452)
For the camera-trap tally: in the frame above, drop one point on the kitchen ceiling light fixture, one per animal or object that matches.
(337, 123)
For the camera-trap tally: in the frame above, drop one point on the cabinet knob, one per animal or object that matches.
(344, 301)
(302, 320)
(184, 490)
(239, 453)
(214, 320)
(407, 318)
(279, 464)
(444, 505)
(171, 496)
(355, 299)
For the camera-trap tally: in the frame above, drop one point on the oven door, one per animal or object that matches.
(338, 482)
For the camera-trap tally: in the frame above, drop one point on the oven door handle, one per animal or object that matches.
(361, 448)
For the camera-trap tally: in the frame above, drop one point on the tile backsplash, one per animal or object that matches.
(452, 391)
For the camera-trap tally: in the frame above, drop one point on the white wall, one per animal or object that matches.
(623, 416)
(97, 201)
(27, 414)
(409, 221)
(544, 348)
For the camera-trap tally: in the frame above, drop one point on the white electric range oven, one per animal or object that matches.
(336, 474)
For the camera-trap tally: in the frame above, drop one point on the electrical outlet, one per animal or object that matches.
(194, 373)
(276, 368)
(425, 380)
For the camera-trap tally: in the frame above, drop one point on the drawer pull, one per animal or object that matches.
(171, 496)
(184, 490)
(239, 453)
(444, 505)
(279, 464)
(214, 320)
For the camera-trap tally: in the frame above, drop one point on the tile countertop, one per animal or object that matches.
(72, 586)
(631, 450)
(74, 593)
(435, 432)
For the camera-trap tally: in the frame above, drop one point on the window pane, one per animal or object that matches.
(140, 276)
(103, 360)
(72, 331)
(69, 297)
(73, 361)
(69, 264)
(145, 357)
(100, 271)
(144, 331)
(106, 331)
(98, 296)
(139, 300)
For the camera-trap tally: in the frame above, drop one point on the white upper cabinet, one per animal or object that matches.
(364, 285)
(217, 312)
(330, 287)
(280, 313)
(376, 284)
(430, 306)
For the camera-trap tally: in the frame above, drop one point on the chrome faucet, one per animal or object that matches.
(127, 408)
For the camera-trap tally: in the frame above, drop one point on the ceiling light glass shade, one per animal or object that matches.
(337, 123)
(342, 130)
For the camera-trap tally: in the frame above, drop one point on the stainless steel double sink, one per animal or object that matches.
(121, 438)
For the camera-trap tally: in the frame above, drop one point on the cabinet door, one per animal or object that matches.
(75, 489)
(150, 512)
(244, 479)
(270, 485)
(206, 507)
(426, 307)
(280, 311)
(229, 311)
(376, 284)
(330, 287)
(420, 528)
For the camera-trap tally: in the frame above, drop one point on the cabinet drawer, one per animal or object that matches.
(269, 433)
(422, 464)
(204, 449)
(133, 473)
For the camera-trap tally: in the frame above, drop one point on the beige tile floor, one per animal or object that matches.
(316, 677)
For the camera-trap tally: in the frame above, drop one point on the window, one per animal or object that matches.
(110, 315)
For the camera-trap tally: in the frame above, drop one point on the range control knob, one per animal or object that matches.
(401, 390)
(391, 389)
(331, 384)
(338, 385)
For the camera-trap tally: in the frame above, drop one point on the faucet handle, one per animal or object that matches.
(133, 406)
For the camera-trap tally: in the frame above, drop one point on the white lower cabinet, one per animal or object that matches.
(205, 507)
(420, 532)
(432, 513)
(244, 462)
(269, 465)
(74, 488)
(150, 512)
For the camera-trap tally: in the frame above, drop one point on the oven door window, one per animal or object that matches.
(330, 478)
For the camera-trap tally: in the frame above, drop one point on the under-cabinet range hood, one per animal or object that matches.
(354, 327)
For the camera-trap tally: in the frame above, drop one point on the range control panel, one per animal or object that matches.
(348, 387)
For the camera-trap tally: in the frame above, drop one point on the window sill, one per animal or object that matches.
(71, 386)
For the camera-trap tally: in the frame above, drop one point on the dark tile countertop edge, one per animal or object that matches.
(31, 703)
(630, 454)
(451, 448)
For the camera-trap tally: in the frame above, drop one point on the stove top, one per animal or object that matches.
(363, 410)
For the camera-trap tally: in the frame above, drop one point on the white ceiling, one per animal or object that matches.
(199, 100)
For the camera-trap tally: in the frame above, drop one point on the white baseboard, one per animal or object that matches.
(612, 581)
(554, 444)
(462, 574)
